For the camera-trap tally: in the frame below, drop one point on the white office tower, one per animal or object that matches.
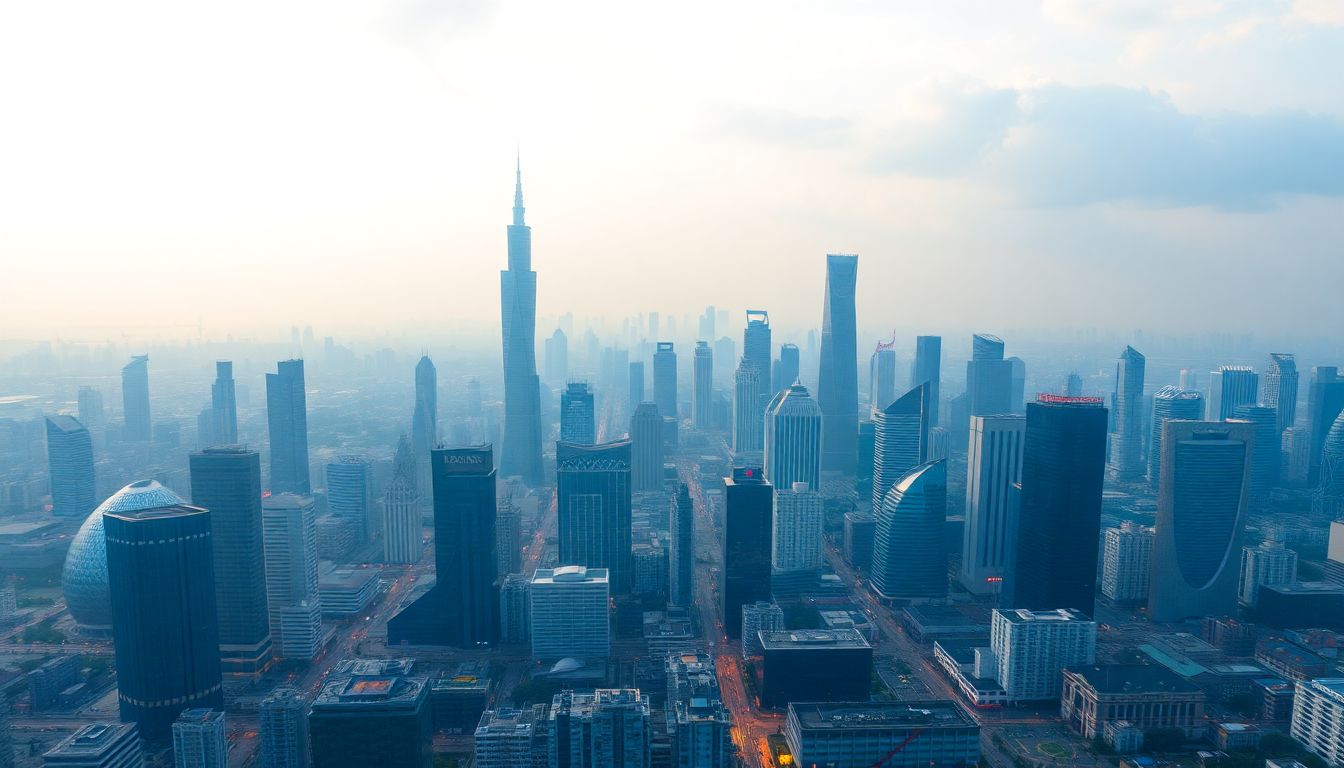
(514, 619)
(1127, 563)
(993, 465)
(1318, 717)
(1231, 386)
(1032, 648)
(569, 615)
(200, 740)
(697, 721)
(283, 717)
(289, 535)
(756, 618)
(505, 737)
(798, 521)
(748, 426)
(349, 494)
(1267, 564)
(900, 440)
(608, 728)
(793, 438)
(402, 524)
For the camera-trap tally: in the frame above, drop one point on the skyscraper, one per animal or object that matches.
(909, 559)
(1127, 563)
(557, 356)
(882, 376)
(1269, 563)
(401, 509)
(989, 377)
(702, 395)
(797, 528)
(135, 400)
(91, 408)
(1032, 648)
(1201, 514)
(70, 464)
(756, 349)
(1059, 522)
(593, 503)
(900, 440)
(608, 727)
(425, 421)
(1127, 439)
(1280, 390)
(646, 448)
(1169, 403)
(928, 368)
(287, 419)
(350, 493)
(1327, 501)
(200, 739)
(570, 612)
(665, 379)
(793, 438)
(160, 566)
(462, 609)
(748, 426)
(283, 717)
(745, 546)
(289, 530)
(1017, 384)
(838, 387)
(227, 481)
(993, 464)
(520, 453)
(1230, 387)
(1325, 401)
(223, 405)
(577, 418)
(788, 365)
(636, 383)
(681, 569)
(1265, 447)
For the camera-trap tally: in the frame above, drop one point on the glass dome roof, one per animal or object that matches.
(84, 578)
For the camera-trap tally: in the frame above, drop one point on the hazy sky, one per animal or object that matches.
(350, 165)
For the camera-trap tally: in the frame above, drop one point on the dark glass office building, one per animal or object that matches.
(814, 665)
(227, 481)
(747, 532)
(462, 609)
(381, 720)
(593, 506)
(1059, 523)
(160, 566)
(681, 569)
(287, 419)
(838, 377)
(646, 446)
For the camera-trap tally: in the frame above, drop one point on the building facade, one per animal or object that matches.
(900, 440)
(797, 524)
(681, 568)
(838, 377)
(608, 727)
(200, 739)
(1318, 718)
(893, 734)
(748, 423)
(793, 438)
(594, 508)
(909, 557)
(993, 465)
(578, 422)
(1127, 563)
(1280, 388)
(1169, 403)
(520, 452)
(70, 463)
(927, 369)
(402, 524)
(223, 405)
(374, 719)
(1148, 696)
(1269, 563)
(646, 447)
(287, 424)
(1230, 387)
(702, 394)
(569, 613)
(136, 427)
(1127, 439)
(283, 721)
(1032, 648)
(289, 531)
(746, 543)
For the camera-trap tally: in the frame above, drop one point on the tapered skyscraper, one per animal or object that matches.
(520, 453)
(223, 405)
(135, 399)
(287, 420)
(702, 395)
(1127, 439)
(838, 381)
(424, 422)
(928, 368)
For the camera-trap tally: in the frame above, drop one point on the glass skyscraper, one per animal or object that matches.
(287, 420)
(577, 417)
(838, 381)
(756, 348)
(160, 566)
(593, 507)
(135, 400)
(1127, 439)
(928, 368)
(227, 481)
(748, 425)
(702, 394)
(909, 556)
(665, 379)
(70, 463)
(223, 405)
(900, 440)
(646, 448)
(1280, 388)
(520, 452)
(746, 543)
(1059, 521)
(793, 439)
(1169, 403)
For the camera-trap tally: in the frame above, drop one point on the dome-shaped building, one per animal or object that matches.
(84, 577)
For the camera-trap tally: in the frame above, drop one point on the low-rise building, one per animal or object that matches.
(1292, 661)
(98, 745)
(1122, 737)
(1147, 695)
(965, 662)
(457, 699)
(1235, 737)
(508, 738)
(869, 733)
(346, 592)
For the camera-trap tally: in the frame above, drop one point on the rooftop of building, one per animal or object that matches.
(1133, 679)
(570, 574)
(1305, 588)
(359, 691)
(146, 500)
(1024, 616)
(881, 714)
(348, 578)
(91, 740)
(200, 716)
(506, 720)
(794, 639)
(63, 423)
(374, 667)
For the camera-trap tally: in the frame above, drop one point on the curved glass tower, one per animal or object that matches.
(909, 559)
(900, 439)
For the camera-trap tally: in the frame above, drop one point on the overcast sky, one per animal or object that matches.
(350, 165)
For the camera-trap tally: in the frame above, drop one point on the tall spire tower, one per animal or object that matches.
(520, 452)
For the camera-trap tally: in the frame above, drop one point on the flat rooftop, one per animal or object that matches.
(1024, 616)
(363, 692)
(797, 639)
(881, 715)
(570, 574)
(91, 740)
(1133, 679)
